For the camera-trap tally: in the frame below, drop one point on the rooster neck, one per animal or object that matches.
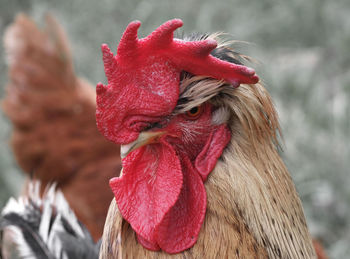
(258, 190)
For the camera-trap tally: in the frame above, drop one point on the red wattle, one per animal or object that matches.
(180, 227)
(149, 187)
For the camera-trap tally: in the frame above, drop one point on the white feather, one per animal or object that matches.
(54, 243)
(220, 116)
(64, 209)
(14, 245)
(13, 206)
(46, 214)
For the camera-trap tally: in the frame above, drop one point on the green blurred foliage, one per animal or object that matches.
(303, 49)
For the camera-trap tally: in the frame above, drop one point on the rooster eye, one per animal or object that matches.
(194, 112)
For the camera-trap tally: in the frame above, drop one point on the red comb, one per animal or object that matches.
(191, 56)
(144, 78)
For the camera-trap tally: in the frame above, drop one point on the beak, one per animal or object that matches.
(144, 138)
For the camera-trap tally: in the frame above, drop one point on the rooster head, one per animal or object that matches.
(169, 144)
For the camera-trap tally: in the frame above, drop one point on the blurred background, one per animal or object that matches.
(303, 53)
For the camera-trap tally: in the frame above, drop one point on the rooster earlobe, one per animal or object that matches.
(216, 143)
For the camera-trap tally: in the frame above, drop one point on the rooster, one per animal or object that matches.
(202, 176)
(54, 137)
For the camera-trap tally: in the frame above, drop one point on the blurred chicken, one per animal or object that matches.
(53, 114)
(202, 177)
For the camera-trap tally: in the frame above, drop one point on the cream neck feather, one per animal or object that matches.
(258, 183)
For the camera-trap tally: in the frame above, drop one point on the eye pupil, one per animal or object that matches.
(194, 110)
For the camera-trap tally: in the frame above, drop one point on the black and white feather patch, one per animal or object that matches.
(35, 227)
